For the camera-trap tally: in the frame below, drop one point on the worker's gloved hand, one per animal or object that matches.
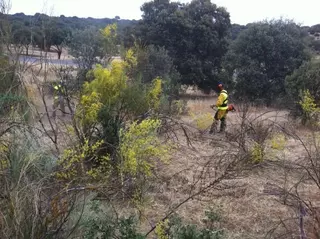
(231, 108)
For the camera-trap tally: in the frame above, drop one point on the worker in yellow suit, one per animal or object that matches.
(58, 98)
(221, 114)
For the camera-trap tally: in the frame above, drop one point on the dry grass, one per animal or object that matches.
(200, 106)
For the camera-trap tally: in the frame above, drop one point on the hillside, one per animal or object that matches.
(69, 22)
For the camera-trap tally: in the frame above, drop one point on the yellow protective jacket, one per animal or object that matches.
(58, 90)
(222, 102)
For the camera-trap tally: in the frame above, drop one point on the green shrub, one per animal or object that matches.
(257, 153)
(12, 94)
(304, 80)
(278, 142)
(101, 222)
(175, 228)
(154, 62)
(309, 108)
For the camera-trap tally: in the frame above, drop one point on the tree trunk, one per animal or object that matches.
(42, 46)
(59, 54)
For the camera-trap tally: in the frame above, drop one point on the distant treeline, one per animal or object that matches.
(49, 33)
(59, 27)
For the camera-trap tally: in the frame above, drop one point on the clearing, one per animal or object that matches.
(254, 200)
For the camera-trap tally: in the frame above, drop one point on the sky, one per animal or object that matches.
(306, 12)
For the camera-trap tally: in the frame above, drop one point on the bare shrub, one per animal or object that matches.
(299, 188)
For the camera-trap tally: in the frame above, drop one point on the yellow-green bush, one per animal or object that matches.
(309, 107)
(73, 161)
(107, 83)
(109, 107)
(3, 160)
(109, 38)
(130, 60)
(110, 87)
(278, 142)
(203, 121)
(257, 153)
(154, 94)
(90, 106)
(161, 229)
(140, 146)
(111, 98)
(109, 30)
(178, 107)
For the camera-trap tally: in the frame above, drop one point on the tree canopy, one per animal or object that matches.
(262, 56)
(50, 33)
(195, 35)
(306, 77)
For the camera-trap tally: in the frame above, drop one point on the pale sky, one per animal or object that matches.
(306, 12)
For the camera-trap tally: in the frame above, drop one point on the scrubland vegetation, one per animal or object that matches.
(129, 156)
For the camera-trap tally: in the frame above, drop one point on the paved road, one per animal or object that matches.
(37, 60)
(32, 59)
